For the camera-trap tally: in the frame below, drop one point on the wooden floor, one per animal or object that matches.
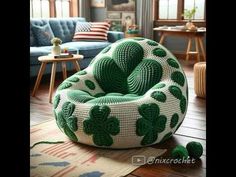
(192, 129)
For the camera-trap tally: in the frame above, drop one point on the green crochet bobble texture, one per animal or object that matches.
(101, 126)
(195, 149)
(66, 121)
(179, 152)
(150, 124)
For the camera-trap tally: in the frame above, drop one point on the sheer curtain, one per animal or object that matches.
(146, 18)
(84, 9)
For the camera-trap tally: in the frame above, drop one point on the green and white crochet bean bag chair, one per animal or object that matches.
(134, 93)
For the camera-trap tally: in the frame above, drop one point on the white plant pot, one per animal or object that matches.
(56, 50)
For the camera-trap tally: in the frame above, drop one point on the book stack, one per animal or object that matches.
(62, 55)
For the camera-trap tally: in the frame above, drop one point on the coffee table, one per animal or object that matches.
(50, 59)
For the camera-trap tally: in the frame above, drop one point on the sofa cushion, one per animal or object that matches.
(35, 22)
(32, 38)
(64, 28)
(91, 31)
(88, 49)
(35, 52)
(43, 34)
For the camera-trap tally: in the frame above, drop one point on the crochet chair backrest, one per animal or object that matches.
(127, 67)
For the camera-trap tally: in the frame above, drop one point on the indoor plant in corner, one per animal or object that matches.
(189, 14)
(56, 48)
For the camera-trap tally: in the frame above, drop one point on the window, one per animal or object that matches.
(167, 10)
(39, 8)
(62, 8)
(53, 8)
(199, 4)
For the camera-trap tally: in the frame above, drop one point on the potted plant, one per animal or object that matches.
(189, 14)
(56, 49)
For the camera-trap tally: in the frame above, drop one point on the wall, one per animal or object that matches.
(175, 44)
(98, 14)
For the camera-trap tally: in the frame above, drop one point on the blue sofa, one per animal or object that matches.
(64, 28)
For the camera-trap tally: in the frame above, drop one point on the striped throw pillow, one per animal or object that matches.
(91, 31)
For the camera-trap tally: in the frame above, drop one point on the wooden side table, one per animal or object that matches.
(196, 35)
(50, 59)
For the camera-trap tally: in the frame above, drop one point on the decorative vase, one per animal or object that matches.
(189, 24)
(56, 49)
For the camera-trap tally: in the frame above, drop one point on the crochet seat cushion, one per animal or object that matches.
(134, 93)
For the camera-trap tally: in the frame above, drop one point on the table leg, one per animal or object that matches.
(162, 39)
(202, 48)
(188, 48)
(76, 64)
(53, 73)
(63, 65)
(39, 77)
(197, 49)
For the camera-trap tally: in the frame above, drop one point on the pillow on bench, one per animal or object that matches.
(91, 31)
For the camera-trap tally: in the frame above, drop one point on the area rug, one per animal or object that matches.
(77, 160)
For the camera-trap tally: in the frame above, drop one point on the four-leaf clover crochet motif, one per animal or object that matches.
(150, 124)
(67, 121)
(101, 126)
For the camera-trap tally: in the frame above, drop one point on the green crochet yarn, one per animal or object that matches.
(127, 56)
(83, 72)
(79, 96)
(152, 43)
(183, 104)
(159, 96)
(150, 124)
(174, 120)
(172, 63)
(144, 76)
(90, 84)
(176, 92)
(159, 52)
(131, 95)
(97, 95)
(73, 79)
(178, 77)
(114, 94)
(64, 85)
(101, 126)
(67, 121)
(56, 101)
(111, 99)
(46, 142)
(106, 72)
(195, 149)
(179, 152)
(159, 85)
